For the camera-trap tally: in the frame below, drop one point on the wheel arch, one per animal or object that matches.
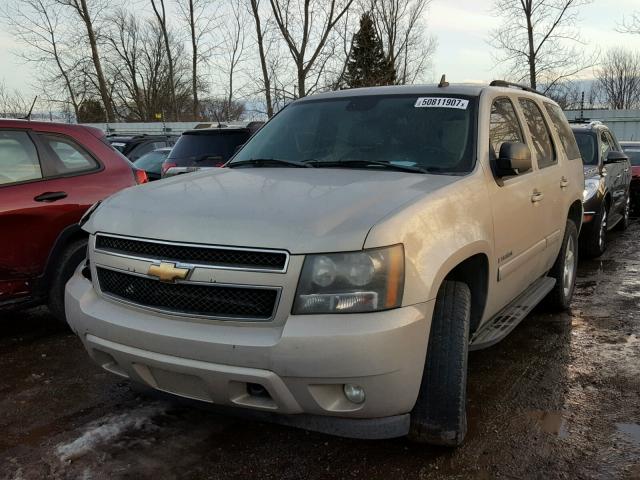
(474, 271)
(69, 235)
(575, 214)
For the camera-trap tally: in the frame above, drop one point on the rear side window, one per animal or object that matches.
(201, 147)
(505, 126)
(539, 133)
(18, 158)
(565, 134)
(68, 157)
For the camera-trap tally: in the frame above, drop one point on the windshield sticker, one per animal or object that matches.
(441, 102)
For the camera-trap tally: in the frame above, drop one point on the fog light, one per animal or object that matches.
(354, 393)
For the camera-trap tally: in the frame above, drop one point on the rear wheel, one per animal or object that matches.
(439, 416)
(564, 270)
(71, 257)
(593, 238)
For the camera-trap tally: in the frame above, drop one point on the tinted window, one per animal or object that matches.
(588, 147)
(207, 149)
(152, 162)
(504, 125)
(68, 156)
(427, 131)
(561, 125)
(18, 158)
(539, 133)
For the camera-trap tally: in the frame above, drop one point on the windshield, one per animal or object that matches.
(433, 132)
(588, 149)
(634, 154)
(200, 146)
(152, 161)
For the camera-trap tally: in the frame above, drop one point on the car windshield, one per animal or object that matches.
(588, 149)
(633, 152)
(201, 146)
(430, 132)
(152, 161)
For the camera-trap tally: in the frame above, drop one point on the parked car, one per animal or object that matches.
(341, 266)
(206, 148)
(152, 162)
(134, 146)
(606, 192)
(50, 174)
(632, 149)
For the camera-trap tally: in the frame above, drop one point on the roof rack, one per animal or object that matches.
(504, 83)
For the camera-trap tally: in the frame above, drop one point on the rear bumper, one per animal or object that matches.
(303, 364)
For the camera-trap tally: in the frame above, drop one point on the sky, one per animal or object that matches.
(461, 28)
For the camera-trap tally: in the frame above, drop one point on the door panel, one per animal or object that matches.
(518, 236)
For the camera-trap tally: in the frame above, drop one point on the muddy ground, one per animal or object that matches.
(559, 398)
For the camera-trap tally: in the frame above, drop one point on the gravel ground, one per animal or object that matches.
(559, 398)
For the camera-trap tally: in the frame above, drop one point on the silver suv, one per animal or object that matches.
(338, 270)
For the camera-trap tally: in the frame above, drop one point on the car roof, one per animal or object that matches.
(215, 130)
(469, 89)
(49, 126)
(630, 143)
(129, 138)
(587, 125)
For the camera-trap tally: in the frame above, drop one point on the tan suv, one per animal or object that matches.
(338, 270)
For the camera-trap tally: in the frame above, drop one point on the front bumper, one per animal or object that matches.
(303, 364)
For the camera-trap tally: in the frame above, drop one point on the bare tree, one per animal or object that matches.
(538, 42)
(12, 103)
(233, 49)
(631, 24)
(37, 25)
(81, 9)
(266, 80)
(306, 27)
(159, 9)
(400, 24)
(619, 79)
(199, 19)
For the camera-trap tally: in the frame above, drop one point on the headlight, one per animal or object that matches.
(365, 281)
(591, 186)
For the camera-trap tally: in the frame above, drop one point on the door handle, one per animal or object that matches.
(537, 196)
(564, 183)
(50, 196)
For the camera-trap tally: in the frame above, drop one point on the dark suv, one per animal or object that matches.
(206, 148)
(134, 146)
(607, 174)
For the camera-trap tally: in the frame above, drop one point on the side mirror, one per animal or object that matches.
(615, 157)
(514, 159)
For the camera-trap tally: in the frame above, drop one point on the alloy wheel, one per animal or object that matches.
(569, 270)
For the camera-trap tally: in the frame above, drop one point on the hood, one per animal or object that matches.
(297, 209)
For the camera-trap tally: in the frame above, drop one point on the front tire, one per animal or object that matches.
(439, 416)
(593, 239)
(564, 270)
(74, 254)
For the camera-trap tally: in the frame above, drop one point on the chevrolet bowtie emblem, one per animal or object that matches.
(168, 272)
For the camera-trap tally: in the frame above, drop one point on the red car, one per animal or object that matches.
(632, 149)
(50, 174)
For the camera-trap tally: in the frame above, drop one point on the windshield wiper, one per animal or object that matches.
(268, 162)
(364, 163)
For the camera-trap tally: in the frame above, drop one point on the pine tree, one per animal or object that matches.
(367, 65)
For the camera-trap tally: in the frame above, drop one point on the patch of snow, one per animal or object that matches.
(107, 429)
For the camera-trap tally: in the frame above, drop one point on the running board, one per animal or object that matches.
(509, 317)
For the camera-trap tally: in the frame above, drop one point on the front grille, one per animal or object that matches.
(223, 257)
(207, 300)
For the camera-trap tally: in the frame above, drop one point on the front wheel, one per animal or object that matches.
(439, 416)
(69, 260)
(564, 270)
(593, 238)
